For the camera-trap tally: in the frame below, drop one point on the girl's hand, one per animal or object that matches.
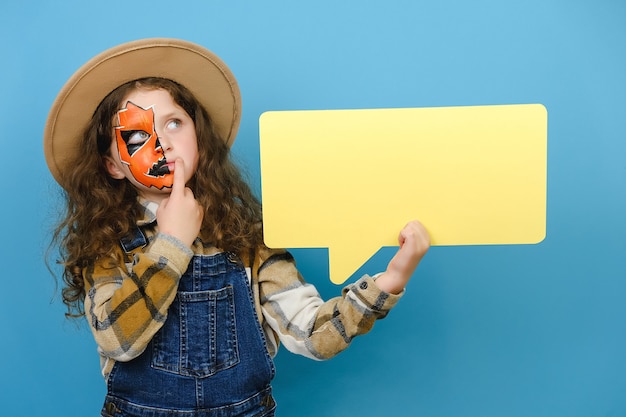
(180, 215)
(414, 242)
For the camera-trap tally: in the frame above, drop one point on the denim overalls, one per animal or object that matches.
(210, 357)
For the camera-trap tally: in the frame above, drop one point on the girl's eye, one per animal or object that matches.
(173, 124)
(134, 139)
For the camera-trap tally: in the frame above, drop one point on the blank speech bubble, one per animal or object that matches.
(349, 180)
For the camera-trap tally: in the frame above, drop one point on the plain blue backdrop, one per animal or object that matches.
(484, 331)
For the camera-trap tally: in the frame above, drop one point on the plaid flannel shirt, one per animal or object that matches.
(127, 304)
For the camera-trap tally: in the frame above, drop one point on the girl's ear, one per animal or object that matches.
(113, 168)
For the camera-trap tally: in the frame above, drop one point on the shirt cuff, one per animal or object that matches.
(173, 250)
(373, 298)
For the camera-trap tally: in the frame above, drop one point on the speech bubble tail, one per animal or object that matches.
(344, 260)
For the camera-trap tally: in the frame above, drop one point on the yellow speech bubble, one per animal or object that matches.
(349, 180)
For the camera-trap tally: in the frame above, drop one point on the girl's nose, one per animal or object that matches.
(163, 143)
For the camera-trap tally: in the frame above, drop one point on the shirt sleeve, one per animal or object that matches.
(304, 322)
(126, 305)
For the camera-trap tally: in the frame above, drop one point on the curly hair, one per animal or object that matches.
(99, 210)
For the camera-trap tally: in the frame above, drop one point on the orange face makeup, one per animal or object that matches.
(139, 147)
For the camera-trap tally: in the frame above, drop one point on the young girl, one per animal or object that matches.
(162, 243)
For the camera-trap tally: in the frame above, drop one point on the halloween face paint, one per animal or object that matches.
(139, 147)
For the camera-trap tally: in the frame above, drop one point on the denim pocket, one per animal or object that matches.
(199, 337)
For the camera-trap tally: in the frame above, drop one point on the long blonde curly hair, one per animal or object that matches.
(100, 210)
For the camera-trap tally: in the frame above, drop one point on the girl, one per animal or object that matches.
(162, 245)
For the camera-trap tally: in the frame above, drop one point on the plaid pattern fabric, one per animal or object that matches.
(127, 304)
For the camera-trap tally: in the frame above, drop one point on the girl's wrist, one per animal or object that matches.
(390, 282)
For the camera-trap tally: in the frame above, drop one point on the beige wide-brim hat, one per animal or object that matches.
(187, 63)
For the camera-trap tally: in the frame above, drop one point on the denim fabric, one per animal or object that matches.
(210, 358)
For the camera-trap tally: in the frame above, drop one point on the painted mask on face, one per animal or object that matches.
(139, 147)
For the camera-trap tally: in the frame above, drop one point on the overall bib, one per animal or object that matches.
(210, 357)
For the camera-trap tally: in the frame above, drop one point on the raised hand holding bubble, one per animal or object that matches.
(414, 242)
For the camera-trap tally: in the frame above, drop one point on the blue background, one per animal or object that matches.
(485, 331)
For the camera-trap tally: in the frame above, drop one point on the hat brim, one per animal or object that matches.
(197, 68)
